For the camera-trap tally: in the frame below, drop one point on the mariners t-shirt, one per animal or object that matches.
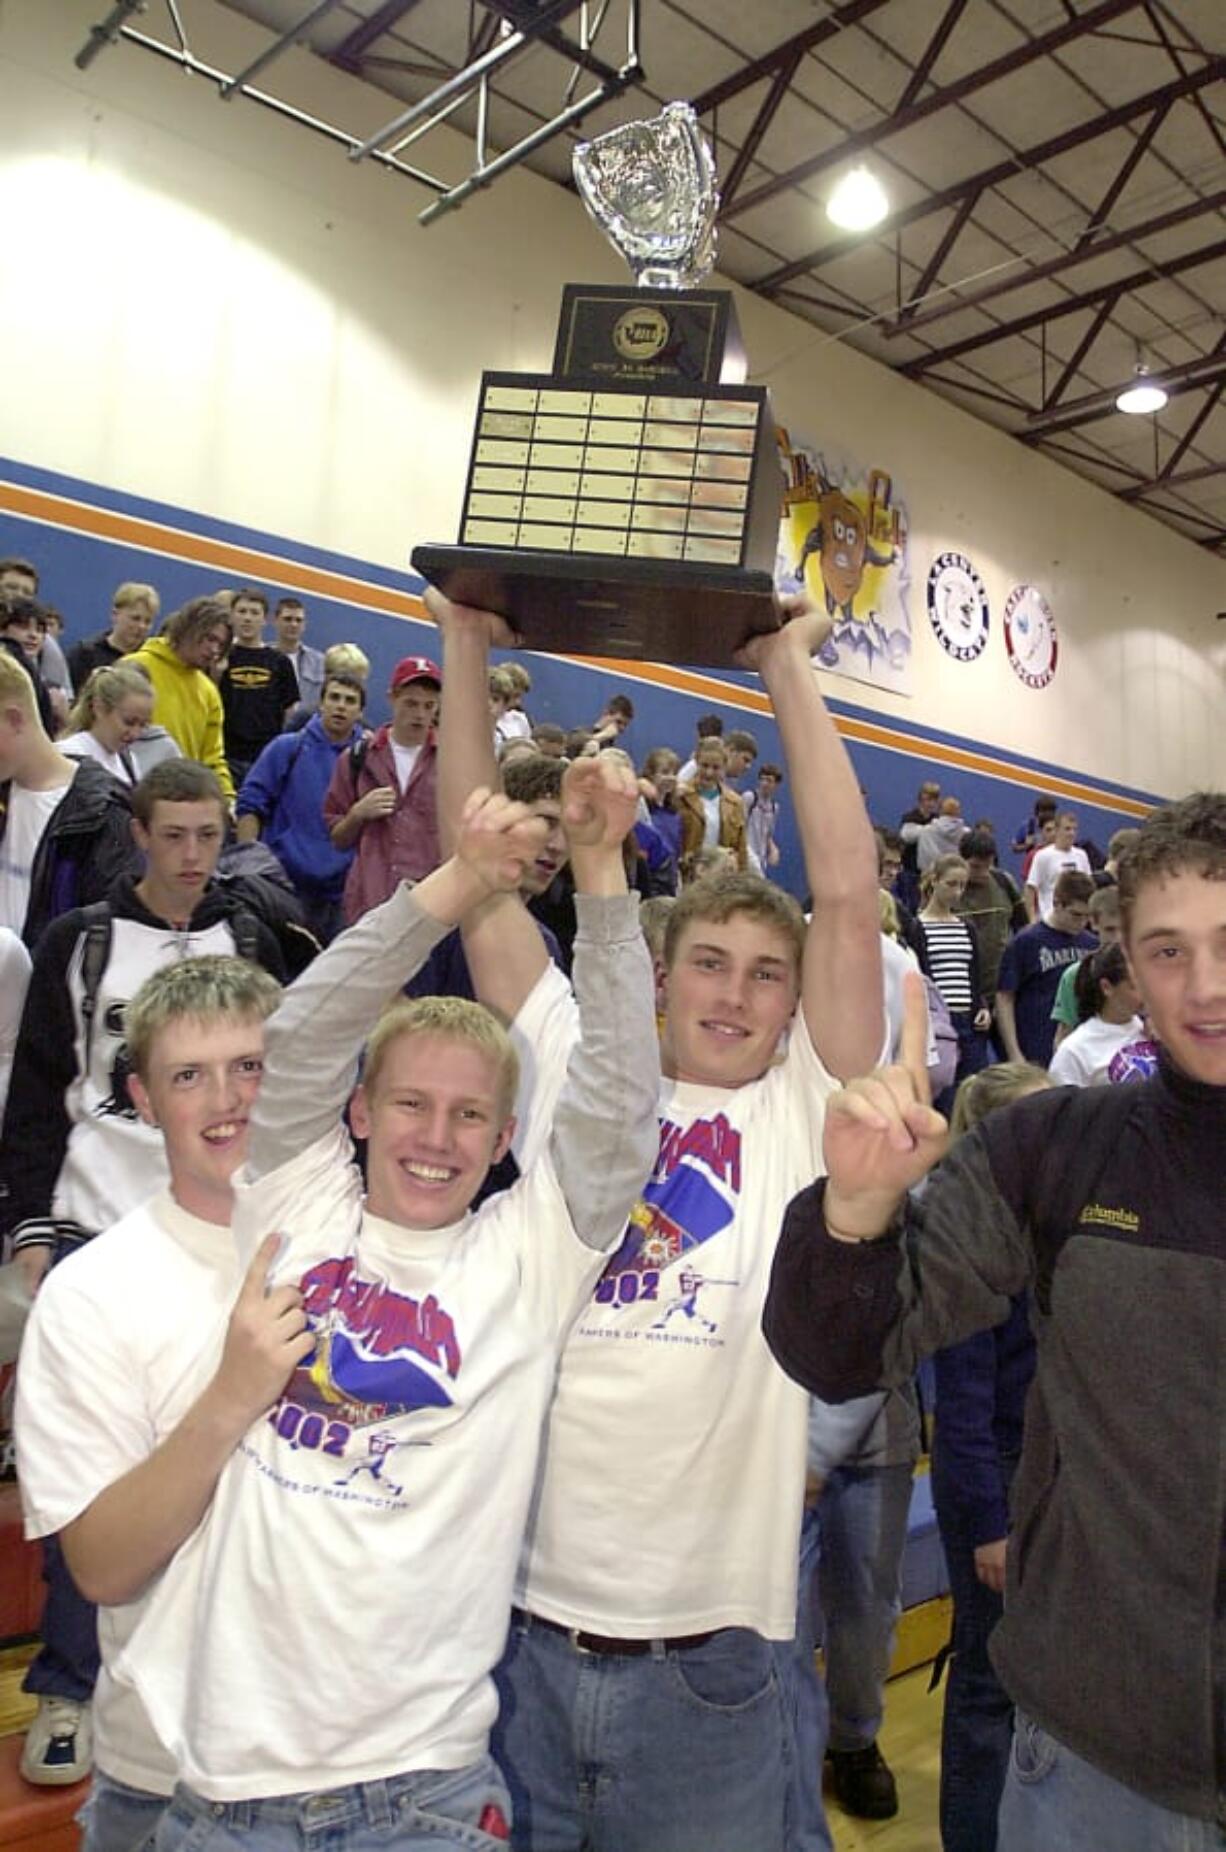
(674, 1462)
(123, 1338)
(1030, 967)
(338, 1616)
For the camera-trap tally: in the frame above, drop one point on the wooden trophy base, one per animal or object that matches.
(646, 609)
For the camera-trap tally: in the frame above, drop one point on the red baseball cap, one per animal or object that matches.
(416, 669)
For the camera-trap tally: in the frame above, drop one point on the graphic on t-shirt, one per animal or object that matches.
(689, 1284)
(380, 1447)
(691, 1195)
(378, 1353)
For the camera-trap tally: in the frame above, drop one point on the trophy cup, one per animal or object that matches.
(627, 504)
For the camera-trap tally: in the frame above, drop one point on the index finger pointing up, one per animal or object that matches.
(913, 1042)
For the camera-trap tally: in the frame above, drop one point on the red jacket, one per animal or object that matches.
(401, 847)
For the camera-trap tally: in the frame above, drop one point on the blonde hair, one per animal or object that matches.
(887, 913)
(520, 678)
(722, 897)
(931, 876)
(992, 1088)
(105, 687)
(456, 1019)
(502, 684)
(208, 990)
(16, 685)
(346, 659)
(653, 922)
(130, 592)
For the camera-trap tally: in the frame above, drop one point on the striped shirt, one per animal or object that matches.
(950, 955)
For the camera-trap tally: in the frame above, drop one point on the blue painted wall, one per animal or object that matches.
(79, 572)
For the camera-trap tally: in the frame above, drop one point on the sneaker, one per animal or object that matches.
(59, 1745)
(863, 1783)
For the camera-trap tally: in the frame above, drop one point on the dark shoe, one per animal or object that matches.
(863, 1784)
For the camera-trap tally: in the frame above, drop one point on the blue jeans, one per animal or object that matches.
(681, 1750)
(116, 1818)
(977, 1730)
(1054, 1801)
(463, 1808)
(851, 1545)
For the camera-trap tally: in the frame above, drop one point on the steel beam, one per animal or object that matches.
(1055, 266)
(1038, 318)
(1140, 147)
(1205, 370)
(348, 53)
(850, 13)
(932, 269)
(281, 43)
(471, 74)
(1203, 474)
(863, 139)
(780, 85)
(1001, 171)
(1069, 370)
(936, 45)
(106, 33)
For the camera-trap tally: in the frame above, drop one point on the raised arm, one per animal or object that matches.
(504, 949)
(605, 1132)
(841, 992)
(846, 1311)
(317, 1033)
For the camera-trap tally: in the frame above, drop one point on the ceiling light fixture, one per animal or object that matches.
(858, 202)
(1143, 396)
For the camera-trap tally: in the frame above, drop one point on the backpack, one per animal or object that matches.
(251, 874)
(99, 931)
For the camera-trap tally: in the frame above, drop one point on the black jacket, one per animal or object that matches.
(85, 848)
(1105, 1202)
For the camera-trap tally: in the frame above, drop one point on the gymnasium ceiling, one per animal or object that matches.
(1056, 168)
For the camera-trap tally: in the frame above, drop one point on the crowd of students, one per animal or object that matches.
(444, 1373)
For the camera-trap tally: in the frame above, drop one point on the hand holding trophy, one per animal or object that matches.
(628, 503)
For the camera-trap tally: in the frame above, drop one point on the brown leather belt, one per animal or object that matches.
(603, 1644)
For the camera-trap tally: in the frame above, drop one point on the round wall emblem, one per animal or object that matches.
(958, 606)
(1030, 635)
(640, 334)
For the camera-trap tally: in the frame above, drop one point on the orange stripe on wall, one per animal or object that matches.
(131, 530)
(870, 733)
(179, 543)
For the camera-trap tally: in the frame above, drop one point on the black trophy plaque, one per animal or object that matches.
(628, 503)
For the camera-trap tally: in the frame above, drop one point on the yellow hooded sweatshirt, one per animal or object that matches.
(188, 705)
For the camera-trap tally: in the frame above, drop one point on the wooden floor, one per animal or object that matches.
(910, 1742)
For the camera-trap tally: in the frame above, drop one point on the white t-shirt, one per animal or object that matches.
(85, 746)
(338, 1617)
(513, 725)
(1085, 1054)
(123, 1338)
(711, 819)
(29, 813)
(14, 981)
(673, 1473)
(1047, 867)
(406, 758)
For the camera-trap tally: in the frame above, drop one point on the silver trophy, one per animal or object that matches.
(650, 186)
(627, 503)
